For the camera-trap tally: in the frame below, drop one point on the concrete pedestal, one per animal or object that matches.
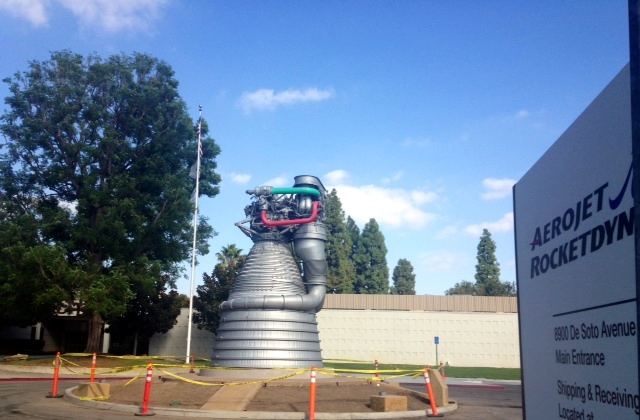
(439, 387)
(93, 390)
(384, 403)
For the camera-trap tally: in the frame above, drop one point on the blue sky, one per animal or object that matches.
(422, 114)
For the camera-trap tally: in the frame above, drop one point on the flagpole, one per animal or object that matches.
(195, 233)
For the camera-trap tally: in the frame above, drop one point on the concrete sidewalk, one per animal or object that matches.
(71, 372)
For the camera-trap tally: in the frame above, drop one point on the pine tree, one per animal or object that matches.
(371, 261)
(488, 269)
(404, 280)
(341, 272)
(354, 233)
(487, 274)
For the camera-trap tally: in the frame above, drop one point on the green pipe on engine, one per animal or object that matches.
(297, 190)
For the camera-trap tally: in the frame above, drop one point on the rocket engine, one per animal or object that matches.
(269, 319)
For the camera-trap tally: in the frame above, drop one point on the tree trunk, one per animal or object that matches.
(95, 334)
(135, 344)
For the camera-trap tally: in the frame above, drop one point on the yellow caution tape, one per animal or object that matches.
(68, 361)
(106, 397)
(369, 371)
(130, 357)
(333, 372)
(382, 375)
(191, 381)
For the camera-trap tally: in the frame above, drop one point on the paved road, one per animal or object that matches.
(495, 402)
(27, 400)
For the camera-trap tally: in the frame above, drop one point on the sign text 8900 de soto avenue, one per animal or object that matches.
(591, 331)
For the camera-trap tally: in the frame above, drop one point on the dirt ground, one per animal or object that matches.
(169, 393)
(331, 396)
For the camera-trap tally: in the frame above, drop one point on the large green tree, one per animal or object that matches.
(152, 310)
(488, 268)
(341, 272)
(371, 261)
(214, 290)
(354, 233)
(487, 273)
(358, 254)
(462, 288)
(404, 279)
(95, 167)
(34, 278)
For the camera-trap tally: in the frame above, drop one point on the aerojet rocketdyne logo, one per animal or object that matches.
(583, 242)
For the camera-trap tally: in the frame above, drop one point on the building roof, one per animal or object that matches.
(456, 303)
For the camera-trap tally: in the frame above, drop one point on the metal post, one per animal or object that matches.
(634, 63)
(195, 235)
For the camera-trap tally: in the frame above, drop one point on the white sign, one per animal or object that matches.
(576, 269)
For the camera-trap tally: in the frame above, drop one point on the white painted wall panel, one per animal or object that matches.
(174, 342)
(466, 339)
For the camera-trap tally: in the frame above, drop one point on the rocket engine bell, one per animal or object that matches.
(269, 319)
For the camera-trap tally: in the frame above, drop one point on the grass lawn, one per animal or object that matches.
(113, 362)
(450, 371)
(103, 361)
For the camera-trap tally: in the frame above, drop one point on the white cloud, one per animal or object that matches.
(393, 207)
(503, 225)
(496, 188)
(34, 11)
(336, 177)
(240, 178)
(441, 260)
(280, 181)
(522, 114)
(115, 15)
(395, 177)
(269, 99)
(423, 197)
(109, 15)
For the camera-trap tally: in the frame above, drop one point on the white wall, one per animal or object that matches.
(174, 342)
(466, 339)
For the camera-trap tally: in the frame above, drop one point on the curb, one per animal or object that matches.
(180, 412)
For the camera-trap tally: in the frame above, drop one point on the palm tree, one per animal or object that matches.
(229, 255)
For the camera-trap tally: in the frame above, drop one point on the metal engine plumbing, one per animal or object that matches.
(269, 319)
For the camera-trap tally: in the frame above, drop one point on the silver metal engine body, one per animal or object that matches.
(269, 320)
